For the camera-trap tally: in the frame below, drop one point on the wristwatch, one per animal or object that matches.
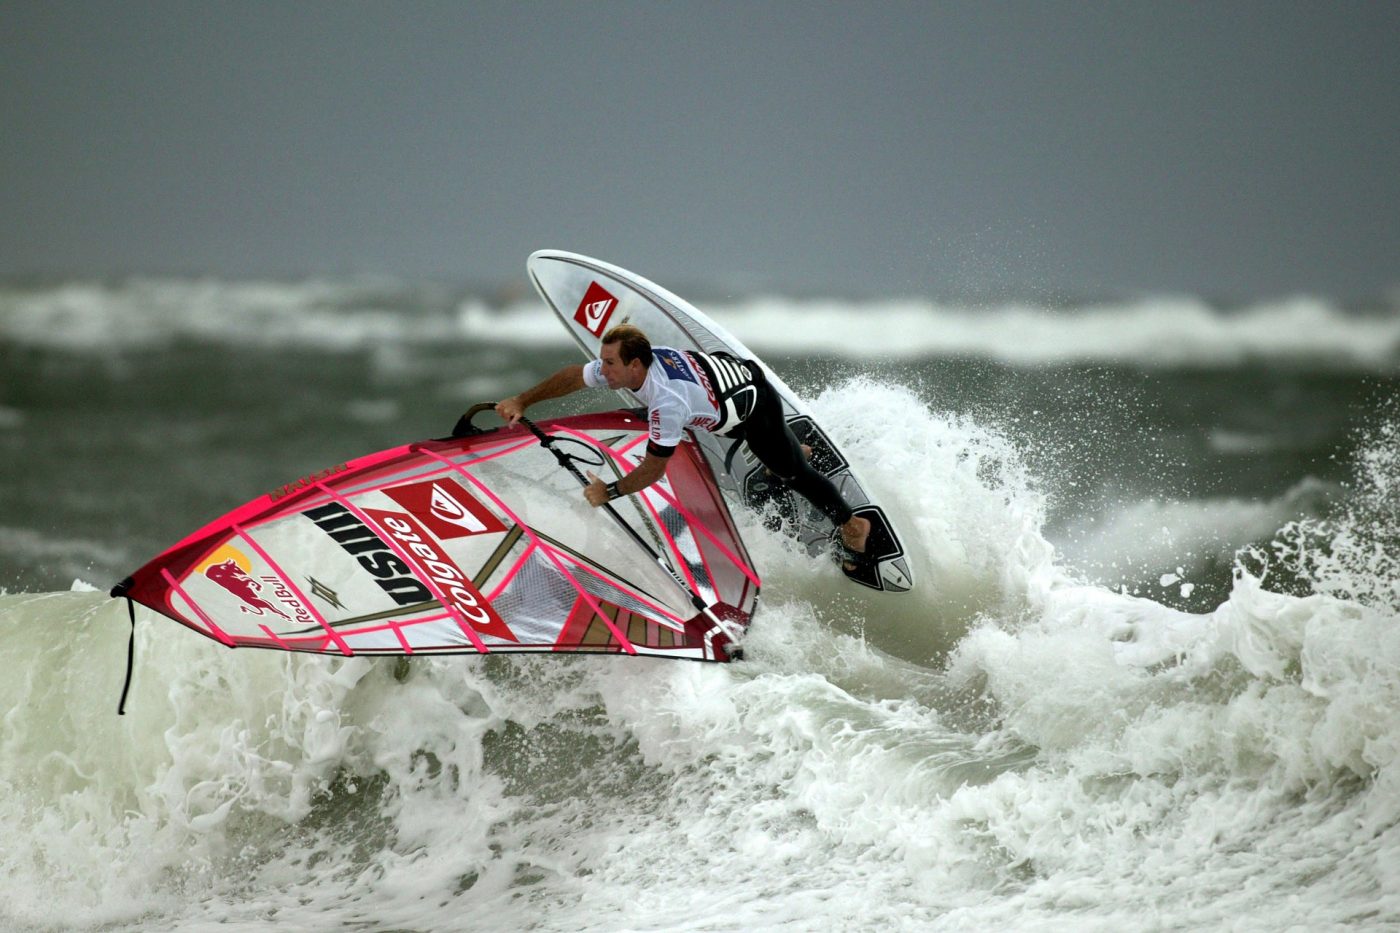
(613, 491)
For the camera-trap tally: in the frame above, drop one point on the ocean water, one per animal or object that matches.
(1149, 679)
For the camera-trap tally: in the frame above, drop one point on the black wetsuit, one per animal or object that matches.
(767, 433)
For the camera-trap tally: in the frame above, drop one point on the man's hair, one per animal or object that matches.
(632, 344)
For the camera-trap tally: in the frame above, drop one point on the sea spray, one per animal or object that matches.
(961, 495)
(1356, 556)
(1256, 741)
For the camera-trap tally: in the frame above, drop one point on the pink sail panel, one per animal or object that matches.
(477, 544)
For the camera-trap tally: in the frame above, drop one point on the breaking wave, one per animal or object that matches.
(1009, 747)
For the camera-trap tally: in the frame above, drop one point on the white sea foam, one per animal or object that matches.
(1188, 752)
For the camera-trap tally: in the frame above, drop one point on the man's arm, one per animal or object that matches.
(651, 469)
(567, 380)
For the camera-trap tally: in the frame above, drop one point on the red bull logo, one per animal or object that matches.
(232, 575)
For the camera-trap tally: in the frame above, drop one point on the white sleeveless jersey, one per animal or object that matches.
(687, 389)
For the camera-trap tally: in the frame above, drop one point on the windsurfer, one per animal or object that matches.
(704, 392)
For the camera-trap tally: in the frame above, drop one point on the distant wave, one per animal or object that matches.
(342, 315)
(153, 313)
(1151, 332)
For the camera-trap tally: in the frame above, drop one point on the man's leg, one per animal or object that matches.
(778, 449)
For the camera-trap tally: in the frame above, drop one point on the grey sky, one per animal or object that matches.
(1236, 150)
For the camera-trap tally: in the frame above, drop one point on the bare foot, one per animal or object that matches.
(854, 535)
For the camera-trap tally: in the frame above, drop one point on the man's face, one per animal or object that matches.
(618, 374)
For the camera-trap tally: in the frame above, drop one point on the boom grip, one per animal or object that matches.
(464, 426)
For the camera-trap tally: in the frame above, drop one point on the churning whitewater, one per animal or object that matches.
(1021, 743)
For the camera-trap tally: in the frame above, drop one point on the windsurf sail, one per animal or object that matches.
(474, 544)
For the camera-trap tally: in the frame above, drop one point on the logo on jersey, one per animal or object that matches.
(445, 508)
(704, 380)
(595, 309)
(673, 364)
